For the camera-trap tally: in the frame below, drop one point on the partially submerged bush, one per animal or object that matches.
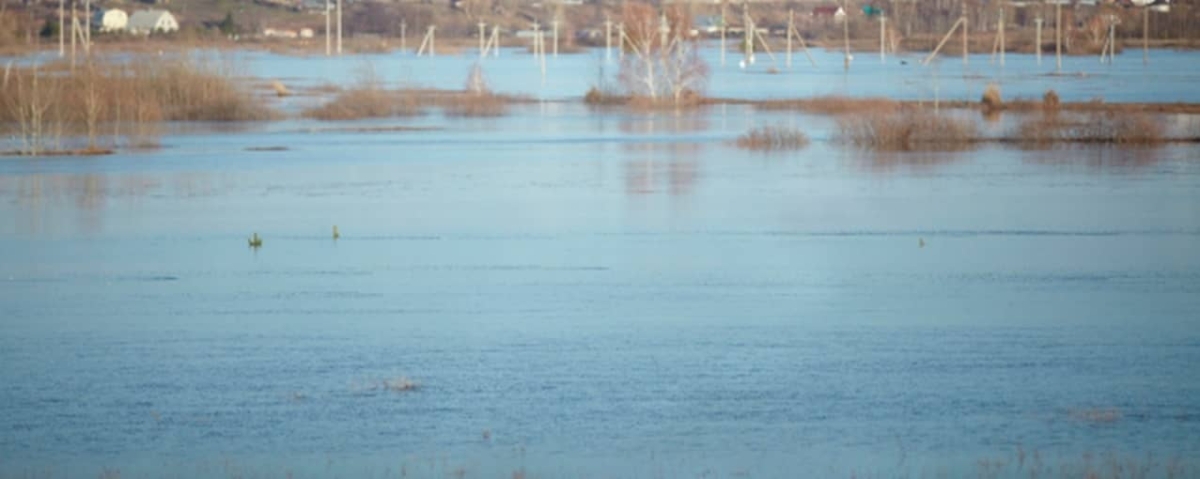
(991, 99)
(1099, 127)
(1050, 101)
(773, 138)
(918, 130)
(475, 105)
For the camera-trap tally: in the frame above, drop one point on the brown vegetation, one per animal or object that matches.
(773, 138)
(1050, 102)
(917, 130)
(991, 100)
(368, 98)
(57, 107)
(477, 105)
(832, 105)
(1113, 128)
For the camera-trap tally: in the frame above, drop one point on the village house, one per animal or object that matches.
(830, 12)
(110, 20)
(145, 22)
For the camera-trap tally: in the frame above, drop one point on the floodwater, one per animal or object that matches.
(1168, 75)
(583, 293)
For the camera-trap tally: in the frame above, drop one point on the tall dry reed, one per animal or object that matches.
(57, 107)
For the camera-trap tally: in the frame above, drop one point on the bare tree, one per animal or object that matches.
(663, 64)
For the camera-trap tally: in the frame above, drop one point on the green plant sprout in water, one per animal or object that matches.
(255, 241)
(336, 235)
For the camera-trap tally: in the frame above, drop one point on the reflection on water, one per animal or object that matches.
(675, 177)
(43, 200)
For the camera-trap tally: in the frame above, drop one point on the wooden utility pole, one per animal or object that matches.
(482, 46)
(1002, 39)
(339, 27)
(946, 38)
(62, 30)
(74, 31)
(1058, 35)
(722, 33)
(87, 30)
(554, 36)
(882, 38)
(1145, 35)
(966, 46)
(607, 39)
(1038, 49)
(846, 35)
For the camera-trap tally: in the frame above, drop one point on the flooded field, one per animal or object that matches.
(568, 292)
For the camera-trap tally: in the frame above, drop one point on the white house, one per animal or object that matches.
(111, 20)
(145, 22)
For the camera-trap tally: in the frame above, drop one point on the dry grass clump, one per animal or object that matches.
(368, 98)
(597, 96)
(773, 138)
(918, 130)
(991, 99)
(1127, 128)
(1050, 101)
(833, 105)
(471, 105)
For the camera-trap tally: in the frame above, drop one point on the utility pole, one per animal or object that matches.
(607, 39)
(87, 31)
(1145, 35)
(62, 45)
(482, 49)
(328, 45)
(339, 27)
(791, 25)
(1038, 49)
(554, 36)
(966, 46)
(403, 35)
(74, 31)
(722, 33)
(1058, 35)
(882, 41)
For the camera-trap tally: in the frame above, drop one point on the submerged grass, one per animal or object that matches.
(765, 138)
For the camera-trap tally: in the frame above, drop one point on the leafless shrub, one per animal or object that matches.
(662, 66)
(773, 138)
(912, 131)
(1098, 127)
